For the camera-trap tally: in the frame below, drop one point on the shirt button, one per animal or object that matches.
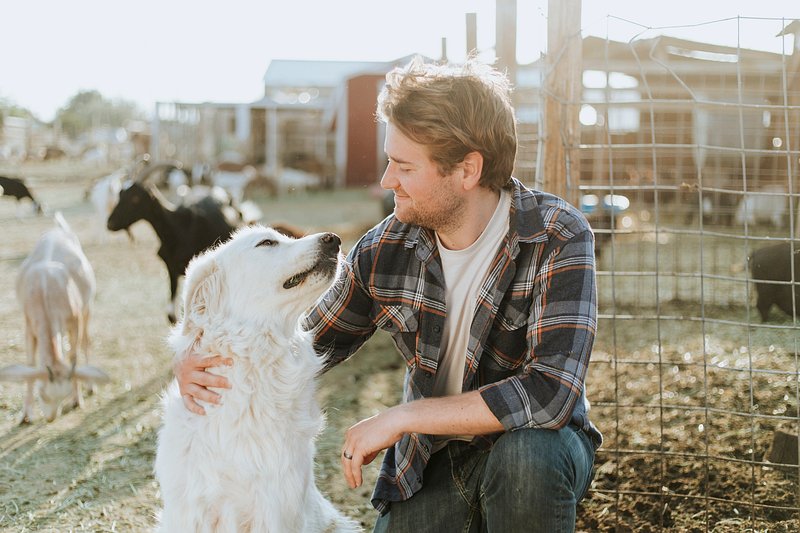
(436, 329)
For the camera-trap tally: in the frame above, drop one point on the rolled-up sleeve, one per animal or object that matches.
(560, 335)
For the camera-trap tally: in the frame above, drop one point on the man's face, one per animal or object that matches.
(422, 196)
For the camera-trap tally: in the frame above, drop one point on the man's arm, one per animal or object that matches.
(560, 337)
(462, 414)
(340, 322)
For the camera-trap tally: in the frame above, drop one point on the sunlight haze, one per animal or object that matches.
(202, 51)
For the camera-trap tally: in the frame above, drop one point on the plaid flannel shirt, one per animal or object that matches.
(530, 338)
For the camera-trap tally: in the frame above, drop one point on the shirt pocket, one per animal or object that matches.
(402, 323)
(513, 313)
(508, 345)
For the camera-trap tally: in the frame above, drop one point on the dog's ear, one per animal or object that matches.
(202, 291)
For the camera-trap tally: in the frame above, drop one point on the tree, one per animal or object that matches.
(10, 109)
(89, 109)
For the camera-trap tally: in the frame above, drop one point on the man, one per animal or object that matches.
(488, 289)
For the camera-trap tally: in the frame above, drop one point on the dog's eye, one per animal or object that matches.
(267, 242)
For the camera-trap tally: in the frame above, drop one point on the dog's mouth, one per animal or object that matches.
(325, 265)
(297, 279)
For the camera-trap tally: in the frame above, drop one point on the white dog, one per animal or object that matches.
(248, 464)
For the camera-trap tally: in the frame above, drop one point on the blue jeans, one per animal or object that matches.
(530, 480)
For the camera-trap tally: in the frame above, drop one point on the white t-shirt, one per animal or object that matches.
(464, 273)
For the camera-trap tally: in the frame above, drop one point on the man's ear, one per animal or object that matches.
(202, 291)
(473, 168)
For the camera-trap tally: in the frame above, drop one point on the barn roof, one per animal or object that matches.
(308, 73)
(313, 73)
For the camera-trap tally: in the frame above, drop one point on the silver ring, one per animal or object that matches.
(347, 455)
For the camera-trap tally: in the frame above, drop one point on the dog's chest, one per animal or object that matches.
(262, 403)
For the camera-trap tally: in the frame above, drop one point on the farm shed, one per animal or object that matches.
(680, 96)
(316, 116)
(323, 113)
(201, 132)
(307, 94)
(267, 133)
(698, 103)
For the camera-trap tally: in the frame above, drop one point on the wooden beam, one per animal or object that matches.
(505, 46)
(562, 93)
(472, 33)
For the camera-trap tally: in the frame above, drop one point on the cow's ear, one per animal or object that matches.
(202, 292)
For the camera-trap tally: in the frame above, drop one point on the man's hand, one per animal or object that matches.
(365, 440)
(193, 380)
(460, 414)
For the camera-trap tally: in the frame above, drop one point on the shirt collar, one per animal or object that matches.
(526, 216)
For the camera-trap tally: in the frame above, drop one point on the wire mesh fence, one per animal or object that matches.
(688, 173)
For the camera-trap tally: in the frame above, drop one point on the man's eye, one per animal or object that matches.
(267, 242)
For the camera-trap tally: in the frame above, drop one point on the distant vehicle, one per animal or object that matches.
(600, 213)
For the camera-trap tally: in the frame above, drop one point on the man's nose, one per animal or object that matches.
(388, 181)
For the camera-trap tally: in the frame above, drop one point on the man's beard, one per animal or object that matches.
(446, 215)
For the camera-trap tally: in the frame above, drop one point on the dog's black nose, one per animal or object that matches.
(331, 240)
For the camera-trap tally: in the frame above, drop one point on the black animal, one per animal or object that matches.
(16, 187)
(774, 264)
(184, 231)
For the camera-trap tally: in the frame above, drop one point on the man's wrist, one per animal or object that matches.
(402, 416)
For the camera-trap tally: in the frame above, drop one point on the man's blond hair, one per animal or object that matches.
(453, 110)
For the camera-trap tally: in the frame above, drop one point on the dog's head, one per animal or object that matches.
(259, 274)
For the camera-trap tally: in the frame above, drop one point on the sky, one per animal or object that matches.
(196, 51)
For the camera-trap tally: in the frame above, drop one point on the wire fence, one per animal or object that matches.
(688, 170)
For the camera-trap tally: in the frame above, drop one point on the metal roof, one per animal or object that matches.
(308, 73)
(315, 73)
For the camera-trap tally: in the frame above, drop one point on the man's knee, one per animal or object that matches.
(542, 459)
(535, 477)
(531, 456)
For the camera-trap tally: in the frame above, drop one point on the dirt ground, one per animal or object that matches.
(688, 408)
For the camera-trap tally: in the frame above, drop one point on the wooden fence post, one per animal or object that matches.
(562, 93)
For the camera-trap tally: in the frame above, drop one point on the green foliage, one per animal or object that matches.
(89, 109)
(10, 109)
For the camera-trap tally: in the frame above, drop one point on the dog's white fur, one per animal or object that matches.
(248, 464)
